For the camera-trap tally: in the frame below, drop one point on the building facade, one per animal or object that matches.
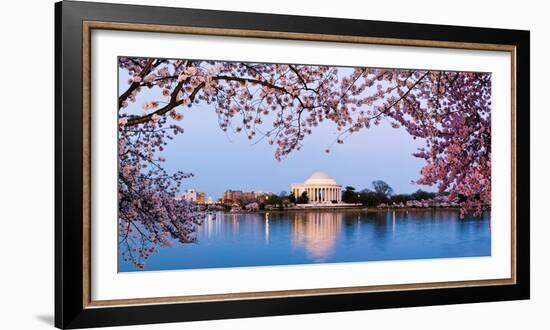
(320, 188)
(238, 196)
(201, 198)
(231, 196)
(190, 195)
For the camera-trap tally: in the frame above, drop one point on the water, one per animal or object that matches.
(300, 237)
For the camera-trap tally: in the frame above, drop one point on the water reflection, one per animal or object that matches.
(285, 238)
(267, 228)
(316, 232)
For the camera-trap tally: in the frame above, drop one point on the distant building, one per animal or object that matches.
(262, 196)
(237, 196)
(190, 195)
(231, 196)
(320, 189)
(201, 198)
(194, 196)
(248, 195)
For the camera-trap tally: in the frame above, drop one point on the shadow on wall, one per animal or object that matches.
(48, 319)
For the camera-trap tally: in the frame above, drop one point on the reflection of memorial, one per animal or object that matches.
(317, 232)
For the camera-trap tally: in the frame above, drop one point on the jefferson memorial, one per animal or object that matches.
(320, 188)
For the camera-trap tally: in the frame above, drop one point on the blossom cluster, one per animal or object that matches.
(283, 104)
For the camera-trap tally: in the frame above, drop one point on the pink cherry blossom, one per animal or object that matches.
(449, 111)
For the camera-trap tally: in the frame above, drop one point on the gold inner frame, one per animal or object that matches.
(88, 26)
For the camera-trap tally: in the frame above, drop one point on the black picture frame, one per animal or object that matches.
(70, 309)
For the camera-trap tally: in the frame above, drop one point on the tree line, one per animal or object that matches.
(380, 192)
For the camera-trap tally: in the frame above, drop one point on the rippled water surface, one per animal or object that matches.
(283, 238)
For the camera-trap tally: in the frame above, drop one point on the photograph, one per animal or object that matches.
(247, 164)
(275, 165)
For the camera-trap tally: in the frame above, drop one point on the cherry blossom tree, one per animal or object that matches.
(282, 104)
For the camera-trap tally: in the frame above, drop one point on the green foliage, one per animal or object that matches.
(371, 198)
(367, 197)
(292, 198)
(273, 200)
(400, 198)
(421, 194)
(382, 193)
(303, 199)
(418, 195)
(349, 195)
(382, 188)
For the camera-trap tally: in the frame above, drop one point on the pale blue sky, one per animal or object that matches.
(222, 161)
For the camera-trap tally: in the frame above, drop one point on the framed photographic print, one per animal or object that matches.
(221, 164)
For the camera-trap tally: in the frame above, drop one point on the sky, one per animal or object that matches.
(222, 161)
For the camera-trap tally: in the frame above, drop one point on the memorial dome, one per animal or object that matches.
(320, 178)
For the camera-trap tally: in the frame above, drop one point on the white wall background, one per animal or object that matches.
(27, 164)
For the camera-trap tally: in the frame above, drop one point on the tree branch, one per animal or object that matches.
(124, 96)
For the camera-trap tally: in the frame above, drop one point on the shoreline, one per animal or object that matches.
(350, 209)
